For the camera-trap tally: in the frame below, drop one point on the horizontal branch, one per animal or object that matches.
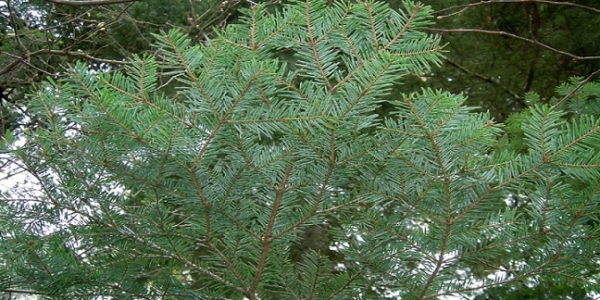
(518, 37)
(81, 55)
(16, 291)
(466, 6)
(482, 77)
(88, 2)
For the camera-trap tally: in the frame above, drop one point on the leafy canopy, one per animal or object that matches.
(267, 174)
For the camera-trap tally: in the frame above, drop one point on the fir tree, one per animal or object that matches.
(255, 166)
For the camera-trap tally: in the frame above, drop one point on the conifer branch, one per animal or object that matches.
(244, 176)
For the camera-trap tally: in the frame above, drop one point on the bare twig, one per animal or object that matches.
(463, 8)
(24, 60)
(81, 55)
(88, 2)
(14, 21)
(17, 291)
(518, 37)
(482, 77)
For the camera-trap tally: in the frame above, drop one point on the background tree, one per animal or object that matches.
(209, 185)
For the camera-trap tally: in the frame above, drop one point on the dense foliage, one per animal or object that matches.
(498, 50)
(256, 166)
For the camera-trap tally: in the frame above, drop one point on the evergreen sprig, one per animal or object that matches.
(254, 165)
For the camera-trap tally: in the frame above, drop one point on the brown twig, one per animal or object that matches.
(518, 37)
(77, 54)
(467, 6)
(481, 77)
(88, 2)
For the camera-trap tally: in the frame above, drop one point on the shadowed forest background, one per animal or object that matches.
(496, 53)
